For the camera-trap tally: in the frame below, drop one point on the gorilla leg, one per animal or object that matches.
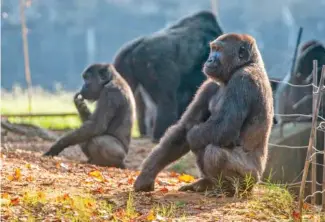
(231, 170)
(141, 110)
(166, 115)
(105, 151)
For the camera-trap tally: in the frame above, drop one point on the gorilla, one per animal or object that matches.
(168, 65)
(105, 135)
(293, 100)
(227, 125)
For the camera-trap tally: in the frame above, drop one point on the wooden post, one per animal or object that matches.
(214, 6)
(26, 56)
(310, 144)
(294, 59)
(314, 166)
(323, 186)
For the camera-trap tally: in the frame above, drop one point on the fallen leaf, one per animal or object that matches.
(306, 206)
(14, 201)
(296, 215)
(57, 165)
(10, 177)
(130, 180)
(151, 216)
(41, 195)
(97, 175)
(17, 174)
(99, 190)
(29, 178)
(5, 195)
(66, 196)
(186, 178)
(89, 204)
(173, 174)
(164, 189)
(28, 166)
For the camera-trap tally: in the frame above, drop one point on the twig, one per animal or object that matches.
(28, 130)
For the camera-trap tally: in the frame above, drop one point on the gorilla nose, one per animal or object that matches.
(213, 59)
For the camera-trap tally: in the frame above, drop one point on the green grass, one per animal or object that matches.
(59, 101)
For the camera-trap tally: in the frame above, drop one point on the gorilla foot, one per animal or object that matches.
(144, 183)
(201, 185)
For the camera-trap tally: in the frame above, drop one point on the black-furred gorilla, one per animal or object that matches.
(168, 64)
(105, 135)
(293, 100)
(234, 107)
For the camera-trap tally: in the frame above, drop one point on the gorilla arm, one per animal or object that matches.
(107, 105)
(224, 126)
(173, 144)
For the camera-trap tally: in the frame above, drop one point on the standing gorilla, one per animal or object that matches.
(105, 135)
(293, 100)
(227, 125)
(168, 65)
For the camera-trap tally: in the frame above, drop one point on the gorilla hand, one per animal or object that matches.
(55, 149)
(144, 183)
(78, 99)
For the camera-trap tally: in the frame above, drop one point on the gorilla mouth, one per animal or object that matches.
(210, 71)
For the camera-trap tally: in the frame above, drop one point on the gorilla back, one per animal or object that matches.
(168, 65)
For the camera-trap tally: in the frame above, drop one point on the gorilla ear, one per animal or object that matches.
(243, 52)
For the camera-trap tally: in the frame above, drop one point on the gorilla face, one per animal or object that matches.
(95, 77)
(227, 53)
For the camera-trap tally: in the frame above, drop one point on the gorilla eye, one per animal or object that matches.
(243, 53)
(102, 73)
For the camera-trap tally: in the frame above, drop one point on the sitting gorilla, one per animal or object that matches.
(105, 135)
(227, 125)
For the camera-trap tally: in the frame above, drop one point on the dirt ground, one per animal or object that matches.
(24, 171)
(139, 149)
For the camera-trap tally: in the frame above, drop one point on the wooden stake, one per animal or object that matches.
(26, 56)
(323, 187)
(311, 141)
(294, 58)
(214, 6)
(313, 166)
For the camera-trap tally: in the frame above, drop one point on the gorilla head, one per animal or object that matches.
(95, 78)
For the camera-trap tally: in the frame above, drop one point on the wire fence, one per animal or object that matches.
(318, 125)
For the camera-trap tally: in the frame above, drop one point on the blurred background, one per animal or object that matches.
(64, 36)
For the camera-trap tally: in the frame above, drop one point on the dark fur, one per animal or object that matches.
(105, 135)
(168, 65)
(234, 104)
(298, 100)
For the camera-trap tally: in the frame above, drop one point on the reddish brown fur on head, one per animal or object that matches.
(230, 52)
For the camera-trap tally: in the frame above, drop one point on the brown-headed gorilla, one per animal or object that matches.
(105, 135)
(298, 100)
(227, 125)
(168, 65)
